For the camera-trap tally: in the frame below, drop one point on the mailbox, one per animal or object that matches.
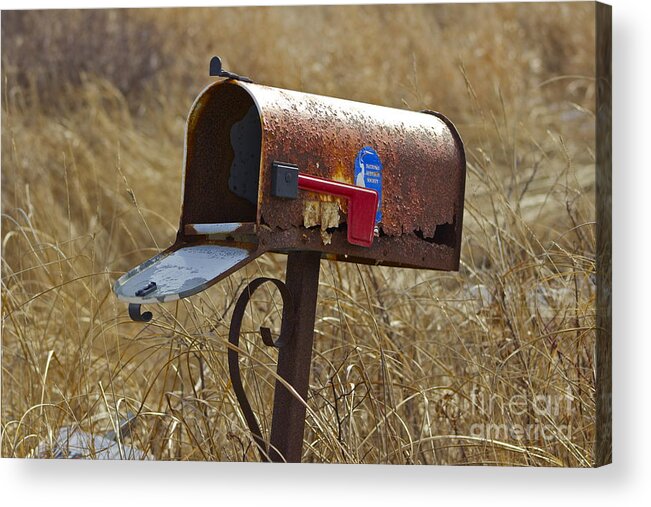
(267, 169)
(271, 170)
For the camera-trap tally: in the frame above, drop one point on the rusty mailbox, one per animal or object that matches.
(273, 170)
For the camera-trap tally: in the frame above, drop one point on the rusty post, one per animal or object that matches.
(295, 359)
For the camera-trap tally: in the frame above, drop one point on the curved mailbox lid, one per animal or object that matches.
(422, 154)
(182, 270)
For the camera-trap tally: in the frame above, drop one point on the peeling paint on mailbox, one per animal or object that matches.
(237, 130)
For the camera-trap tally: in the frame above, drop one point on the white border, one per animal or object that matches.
(24, 482)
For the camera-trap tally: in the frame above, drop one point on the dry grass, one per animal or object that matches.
(409, 366)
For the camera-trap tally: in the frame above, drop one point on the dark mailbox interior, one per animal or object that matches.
(223, 158)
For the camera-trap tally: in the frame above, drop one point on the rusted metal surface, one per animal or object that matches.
(294, 344)
(406, 251)
(295, 359)
(322, 135)
(234, 134)
(423, 173)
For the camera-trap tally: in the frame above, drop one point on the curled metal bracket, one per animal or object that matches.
(286, 328)
(134, 313)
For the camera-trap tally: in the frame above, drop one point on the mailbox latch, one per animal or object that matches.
(286, 180)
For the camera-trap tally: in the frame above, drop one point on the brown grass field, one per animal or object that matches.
(493, 365)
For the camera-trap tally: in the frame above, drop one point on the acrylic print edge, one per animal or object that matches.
(603, 141)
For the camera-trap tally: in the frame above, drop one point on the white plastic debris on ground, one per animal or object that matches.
(479, 296)
(76, 444)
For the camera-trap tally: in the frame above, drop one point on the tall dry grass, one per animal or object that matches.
(409, 366)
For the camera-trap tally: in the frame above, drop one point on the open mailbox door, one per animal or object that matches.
(182, 271)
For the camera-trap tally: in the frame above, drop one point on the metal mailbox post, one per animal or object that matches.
(272, 170)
